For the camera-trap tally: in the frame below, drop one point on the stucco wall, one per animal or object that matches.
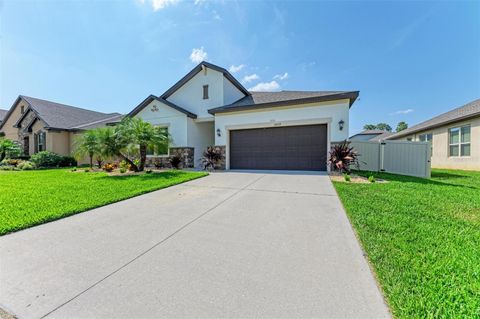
(200, 135)
(166, 116)
(220, 92)
(313, 113)
(230, 92)
(440, 145)
(58, 142)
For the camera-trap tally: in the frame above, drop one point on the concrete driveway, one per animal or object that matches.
(230, 245)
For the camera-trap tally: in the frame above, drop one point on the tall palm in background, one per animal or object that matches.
(88, 144)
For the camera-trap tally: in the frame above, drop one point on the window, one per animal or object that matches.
(22, 109)
(425, 137)
(159, 150)
(205, 92)
(459, 141)
(409, 139)
(40, 142)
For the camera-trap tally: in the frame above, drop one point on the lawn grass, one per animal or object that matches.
(422, 238)
(29, 198)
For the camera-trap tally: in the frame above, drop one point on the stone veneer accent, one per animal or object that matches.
(185, 153)
(223, 150)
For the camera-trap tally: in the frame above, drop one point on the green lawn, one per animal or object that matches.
(29, 198)
(422, 238)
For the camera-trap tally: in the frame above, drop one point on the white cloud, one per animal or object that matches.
(266, 86)
(198, 55)
(160, 4)
(399, 112)
(216, 16)
(236, 68)
(283, 76)
(250, 78)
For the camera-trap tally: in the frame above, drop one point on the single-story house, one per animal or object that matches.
(370, 135)
(40, 125)
(2, 115)
(290, 130)
(455, 137)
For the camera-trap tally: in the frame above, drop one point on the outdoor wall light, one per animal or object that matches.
(340, 125)
(219, 133)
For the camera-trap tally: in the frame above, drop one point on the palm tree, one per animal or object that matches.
(114, 142)
(144, 135)
(88, 144)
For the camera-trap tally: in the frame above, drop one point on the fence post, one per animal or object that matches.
(382, 156)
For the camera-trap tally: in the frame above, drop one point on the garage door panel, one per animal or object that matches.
(291, 148)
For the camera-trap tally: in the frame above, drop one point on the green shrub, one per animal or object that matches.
(26, 166)
(148, 171)
(50, 159)
(67, 161)
(175, 161)
(371, 179)
(74, 169)
(46, 159)
(87, 170)
(123, 170)
(346, 177)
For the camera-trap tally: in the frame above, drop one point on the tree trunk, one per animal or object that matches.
(2, 155)
(143, 157)
(129, 161)
(91, 160)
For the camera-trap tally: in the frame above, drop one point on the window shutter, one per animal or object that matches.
(35, 143)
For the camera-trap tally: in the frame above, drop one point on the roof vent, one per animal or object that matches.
(204, 68)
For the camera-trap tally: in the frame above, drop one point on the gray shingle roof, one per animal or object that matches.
(382, 136)
(466, 111)
(269, 99)
(370, 132)
(61, 116)
(100, 123)
(2, 114)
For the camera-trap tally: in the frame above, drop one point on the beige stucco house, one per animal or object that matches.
(455, 137)
(40, 125)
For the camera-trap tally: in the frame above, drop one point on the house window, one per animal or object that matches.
(22, 109)
(205, 92)
(41, 137)
(459, 141)
(409, 139)
(425, 137)
(159, 150)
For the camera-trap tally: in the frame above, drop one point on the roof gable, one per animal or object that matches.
(196, 70)
(58, 116)
(151, 98)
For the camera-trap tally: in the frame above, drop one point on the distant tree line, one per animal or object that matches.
(386, 127)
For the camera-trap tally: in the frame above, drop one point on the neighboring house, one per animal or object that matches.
(2, 115)
(370, 135)
(455, 137)
(289, 130)
(40, 125)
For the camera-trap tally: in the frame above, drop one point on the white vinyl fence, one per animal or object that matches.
(398, 157)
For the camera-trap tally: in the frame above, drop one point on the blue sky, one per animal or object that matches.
(409, 60)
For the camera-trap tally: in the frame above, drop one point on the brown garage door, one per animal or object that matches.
(287, 148)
